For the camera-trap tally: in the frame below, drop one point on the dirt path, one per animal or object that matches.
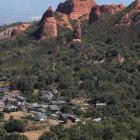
(54, 64)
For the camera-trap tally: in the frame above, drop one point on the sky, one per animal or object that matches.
(29, 10)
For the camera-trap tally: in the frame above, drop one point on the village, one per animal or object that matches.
(15, 103)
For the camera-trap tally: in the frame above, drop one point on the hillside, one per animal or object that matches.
(104, 66)
(103, 45)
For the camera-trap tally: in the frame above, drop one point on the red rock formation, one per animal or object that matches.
(77, 32)
(96, 11)
(137, 7)
(76, 8)
(47, 14)
(48, 25)
(121, 6)
(94, 14)
(111, 8)
(49, 28)
(19, 29)
(64, 21)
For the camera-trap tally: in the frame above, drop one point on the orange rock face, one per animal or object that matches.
(94, 15)
(19, 29)
(125, 20)
(77, 32)
(111, 8)
(97, 11)
(49, 28)
(48, 25)
(76, 8)
(121, 6)
(47, 14)
(64, 21)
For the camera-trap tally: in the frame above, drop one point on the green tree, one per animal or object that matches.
(1, 116)
(16, 137)
(48, 136)
(3, 134)
(66, 109)
(14, 125)
(109, 132)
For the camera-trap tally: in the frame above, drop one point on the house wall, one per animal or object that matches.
(1, 107)
(68, 121)
(6, 110)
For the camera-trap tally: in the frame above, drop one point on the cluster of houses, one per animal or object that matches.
(12, 102)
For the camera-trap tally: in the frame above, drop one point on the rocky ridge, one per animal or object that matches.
(111, 8)
(19, 29)
(125, 20)
(63, 21)
(78, 8)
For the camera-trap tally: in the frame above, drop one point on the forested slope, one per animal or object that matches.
(104, 67)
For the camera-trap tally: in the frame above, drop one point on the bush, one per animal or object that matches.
(14, 125)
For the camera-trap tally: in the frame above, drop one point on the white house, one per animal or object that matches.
(100, 105)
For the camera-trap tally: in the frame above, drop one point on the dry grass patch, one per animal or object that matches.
(17, 115)
(34, 135)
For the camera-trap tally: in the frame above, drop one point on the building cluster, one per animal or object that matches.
(15, 102)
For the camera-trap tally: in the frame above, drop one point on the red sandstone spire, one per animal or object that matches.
(48, 28)
(77, 31)
(47, 14)
(50, 8)
(121, 6)
(138, 2)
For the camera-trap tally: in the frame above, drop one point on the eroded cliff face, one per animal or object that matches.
(111, 8)
(97, 11)
(94, 15)
(48, 28)
(125, 20)
(47, 14)
(76, 8)
(63, 21)
(17, 30)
